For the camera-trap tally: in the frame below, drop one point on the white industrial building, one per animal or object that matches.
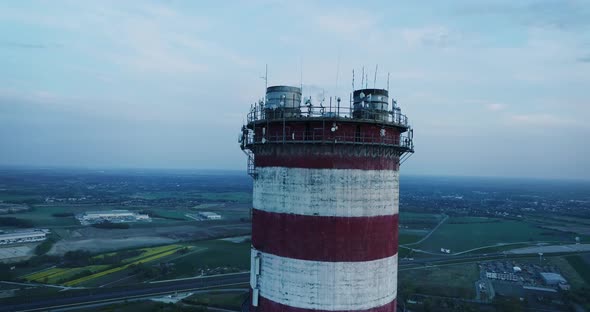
(114, 216)
(20, 237)
(207, 215)
(553, 278)
(503, 276)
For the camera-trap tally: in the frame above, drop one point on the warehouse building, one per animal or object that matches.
(551, 278)
(207, 215)
(20, 237)
(114, 216)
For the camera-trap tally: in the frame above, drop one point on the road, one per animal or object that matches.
(97, 296)
(90, 296)
(73, 298)
(445, 217)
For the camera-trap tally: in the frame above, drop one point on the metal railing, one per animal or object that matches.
(328, 137)
(258, 112)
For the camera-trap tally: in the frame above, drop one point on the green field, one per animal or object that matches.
(464, 233)
(42, 216)
(205, 257)
(413, 220)
(71, 276)
(61, 275)
(408, 238)
(581, 267)
(238, 197)
(8, 197)
(230, 300)
(449, 280)
(410, 216)
(215, 254)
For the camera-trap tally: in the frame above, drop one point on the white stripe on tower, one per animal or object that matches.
(330, 286)
(327, 192)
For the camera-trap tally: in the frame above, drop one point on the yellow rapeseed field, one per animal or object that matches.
(150, 254)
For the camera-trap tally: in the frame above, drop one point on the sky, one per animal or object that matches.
(492, 88)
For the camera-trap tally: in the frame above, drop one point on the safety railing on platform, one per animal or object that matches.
(328, 137)
(258, 112)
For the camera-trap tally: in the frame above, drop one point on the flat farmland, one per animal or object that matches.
(198, 258)
(229, 300)
(408, 238)
(418, 221)
(464, 233)
(581, 264)
(42, 216)
(217, 254)
(449, 280)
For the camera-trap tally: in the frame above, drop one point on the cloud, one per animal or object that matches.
(434, 36)
(542, 120)
(346, 23)
(561, 15)
(584, 59)
(152, 38)
(27, 45)
(495, 107)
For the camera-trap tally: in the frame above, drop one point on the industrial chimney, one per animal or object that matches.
(325, 201)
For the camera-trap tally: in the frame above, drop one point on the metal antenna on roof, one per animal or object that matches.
(375, 80)
(337, 70)
(388, 83)
(363, 77)
(301, 74)
(265, 77)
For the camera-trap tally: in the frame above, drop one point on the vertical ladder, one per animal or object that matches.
(251, 166)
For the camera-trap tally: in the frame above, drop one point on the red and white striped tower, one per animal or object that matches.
(325, 201)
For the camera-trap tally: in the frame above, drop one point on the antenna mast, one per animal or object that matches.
(301, 74)
(265, 81)
(375, 80)
(388, 83)
(363, 77)
(337, 70)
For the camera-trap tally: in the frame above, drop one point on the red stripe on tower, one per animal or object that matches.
(325, 238)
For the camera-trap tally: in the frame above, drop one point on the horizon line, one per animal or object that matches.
(187, 169)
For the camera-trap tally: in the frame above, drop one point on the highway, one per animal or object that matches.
(80, 298)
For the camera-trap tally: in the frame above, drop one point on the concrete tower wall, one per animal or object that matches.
(325, 238)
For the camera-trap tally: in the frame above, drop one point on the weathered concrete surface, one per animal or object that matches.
(334, 286)
(327, 192)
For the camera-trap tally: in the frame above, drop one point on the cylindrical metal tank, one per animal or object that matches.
(283, 101)
(370, 104)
